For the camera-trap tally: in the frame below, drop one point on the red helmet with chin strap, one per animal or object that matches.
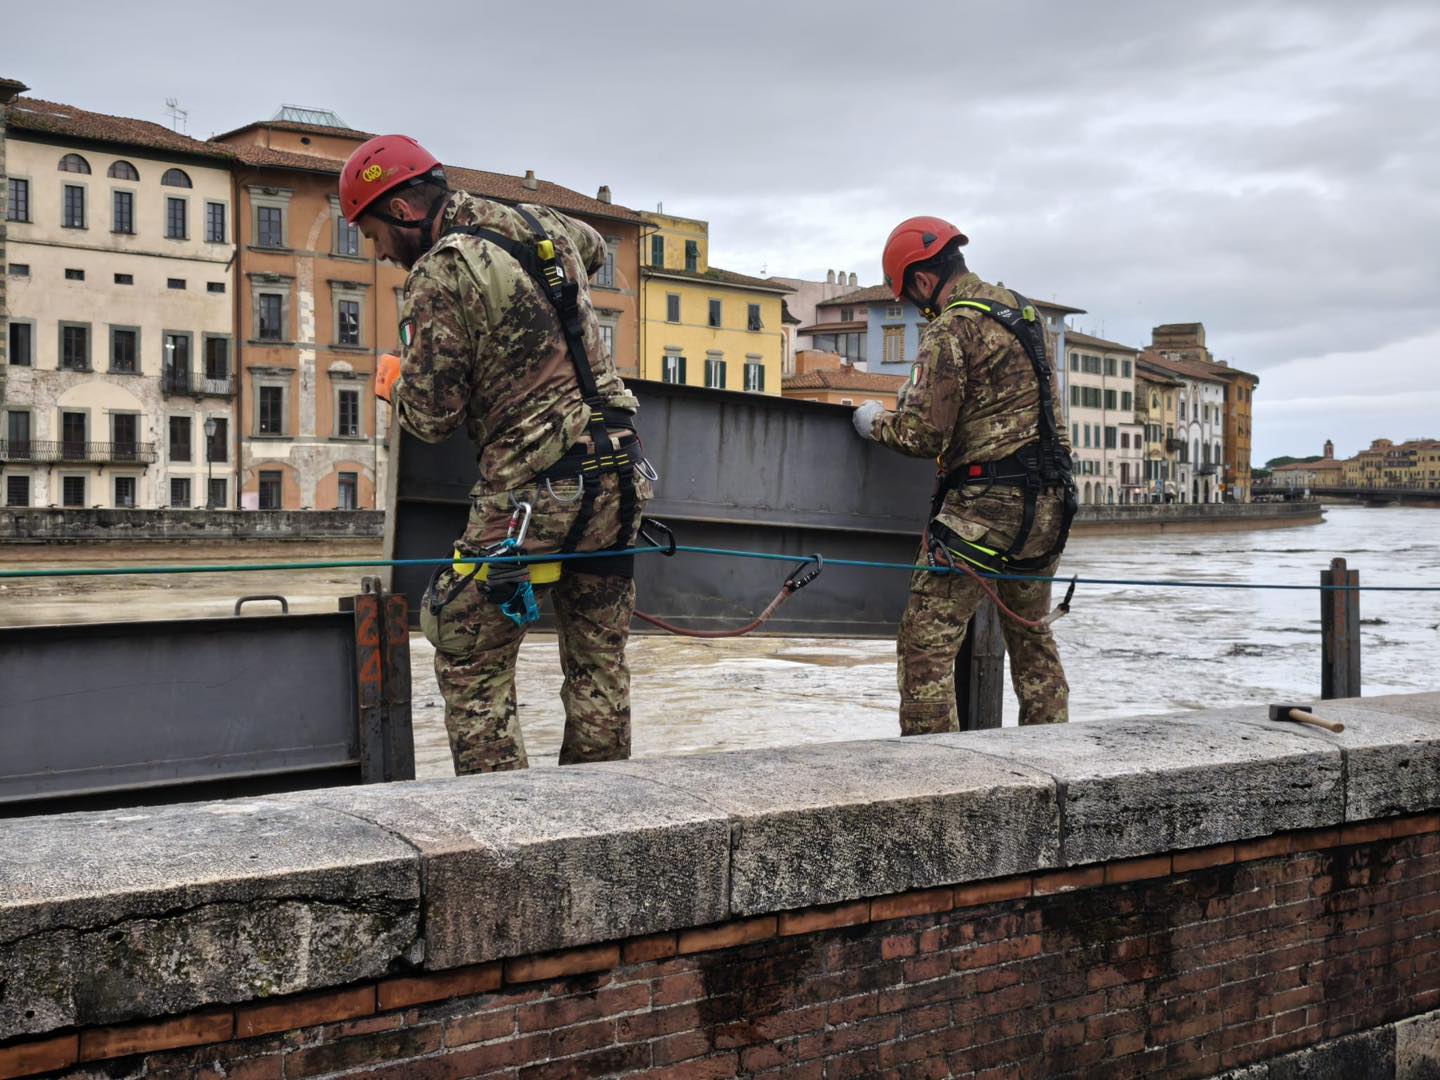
(916, 240)
(383, 164)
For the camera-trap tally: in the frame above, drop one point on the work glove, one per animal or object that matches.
(387, 374)
(864, 417)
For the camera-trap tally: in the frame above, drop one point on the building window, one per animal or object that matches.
(75, 348)
(74, 275)
(17, 490)
(1074, 361)
(692, 256)
(122, 170)
(657, 250)
(1074, 434)
(1127, 400)
(672, 307)
(752, 318)
(122, 216)
(216, 495)
(1126, 368)
(75, 163)
(714, 312)
(124, 279)
(180, 493)
(607, 339)
(1074, 396)
(673, 369)
(893, 345)
(17, 432)
(270, 490)
(217, 357)
(177, 363)
(20, 344)
(218, 445)
(605, 276)
(1125, 441)
(349, 491)
(17, 204)
(72, 491)
(271, 418)
(180, 441)
(175, 219)
(755, 376)
(124, 350)
(215, 223)
(894, 311)
(1109, 365)
(176, 178)
(1087, 436)
(175, 283)
(73, 435)
(215, 286)
(715, 373)
(74, 217)
(347, 237)
(349, 320)
(347, 414)
(125, 435)
(269, 226)
(270, 305)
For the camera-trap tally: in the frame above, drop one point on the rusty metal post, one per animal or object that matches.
(370, 689)
(980, 671)
(1339, 632)
(399, 736)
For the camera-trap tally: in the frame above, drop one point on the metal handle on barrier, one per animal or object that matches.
(284, 604)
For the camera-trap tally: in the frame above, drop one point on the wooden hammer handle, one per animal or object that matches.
(1303, 717)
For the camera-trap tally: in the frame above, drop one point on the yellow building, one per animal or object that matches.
(700, 325)
(1155, 396)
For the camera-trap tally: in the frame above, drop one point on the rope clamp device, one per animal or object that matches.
(797, 580)
(669, 535)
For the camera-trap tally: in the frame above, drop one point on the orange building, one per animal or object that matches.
(314, 309)
(825, 376)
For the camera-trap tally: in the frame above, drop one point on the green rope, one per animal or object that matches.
(346, 564)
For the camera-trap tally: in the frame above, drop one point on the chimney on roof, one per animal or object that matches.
(853, 280)
(829, 277)
(530, 183)
(603, 195)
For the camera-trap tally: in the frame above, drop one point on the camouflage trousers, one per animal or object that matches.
(932, 630)
(476, 644)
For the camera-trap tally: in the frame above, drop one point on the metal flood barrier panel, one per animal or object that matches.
(737, 470)
(116, 714)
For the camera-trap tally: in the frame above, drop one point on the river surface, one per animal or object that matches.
(1128, 650)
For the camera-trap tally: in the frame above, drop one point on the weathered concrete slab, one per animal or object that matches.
(1365, 1055)
(1391, 747)
(823, 823)
(106, 916)
(519, 863)
(1417, 1047)
(1141, 786)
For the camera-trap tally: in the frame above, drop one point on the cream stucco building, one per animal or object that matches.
(120, 313)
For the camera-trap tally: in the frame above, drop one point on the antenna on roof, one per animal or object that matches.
(178, 117)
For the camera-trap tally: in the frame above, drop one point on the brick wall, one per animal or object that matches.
(1184, 964)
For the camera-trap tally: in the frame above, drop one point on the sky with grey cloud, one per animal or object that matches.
(1270, 169)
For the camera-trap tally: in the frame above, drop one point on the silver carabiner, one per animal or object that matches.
(579, 490)
(647, 470)
(520, 517)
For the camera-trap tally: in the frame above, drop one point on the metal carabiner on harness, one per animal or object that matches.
(519, 606)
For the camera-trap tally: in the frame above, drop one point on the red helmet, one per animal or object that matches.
(379, 165)
(913, 241)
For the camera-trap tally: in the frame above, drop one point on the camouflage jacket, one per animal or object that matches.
(483, 346)
(972, 395)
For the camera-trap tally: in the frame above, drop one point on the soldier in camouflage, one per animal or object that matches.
(483, 347)
(972, 397)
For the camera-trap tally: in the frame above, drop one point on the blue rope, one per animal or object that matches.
(1167, 583)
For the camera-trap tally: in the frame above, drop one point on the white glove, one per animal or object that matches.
(864, 417)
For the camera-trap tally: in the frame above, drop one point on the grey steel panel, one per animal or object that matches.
(99, 707)
(736, 470)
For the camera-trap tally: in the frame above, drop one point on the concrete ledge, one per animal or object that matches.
(152, 912)
(41, 525)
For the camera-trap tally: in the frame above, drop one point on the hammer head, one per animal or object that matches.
(1282, 712)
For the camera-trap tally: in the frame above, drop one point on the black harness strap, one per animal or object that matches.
(541, 261)
(1036, 467)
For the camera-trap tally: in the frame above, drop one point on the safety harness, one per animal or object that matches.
(1039, 466)
(510, 585)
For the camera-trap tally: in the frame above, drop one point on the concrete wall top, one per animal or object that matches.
(123, 914)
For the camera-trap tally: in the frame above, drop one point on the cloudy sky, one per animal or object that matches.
(1270, 169)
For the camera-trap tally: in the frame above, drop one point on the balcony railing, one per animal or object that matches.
(197, 383)
(1174, 444)
(46, 451)
(1205, 470)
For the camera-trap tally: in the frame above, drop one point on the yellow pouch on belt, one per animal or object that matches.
(545, 573)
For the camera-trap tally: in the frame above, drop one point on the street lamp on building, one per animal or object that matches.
(210, 426)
